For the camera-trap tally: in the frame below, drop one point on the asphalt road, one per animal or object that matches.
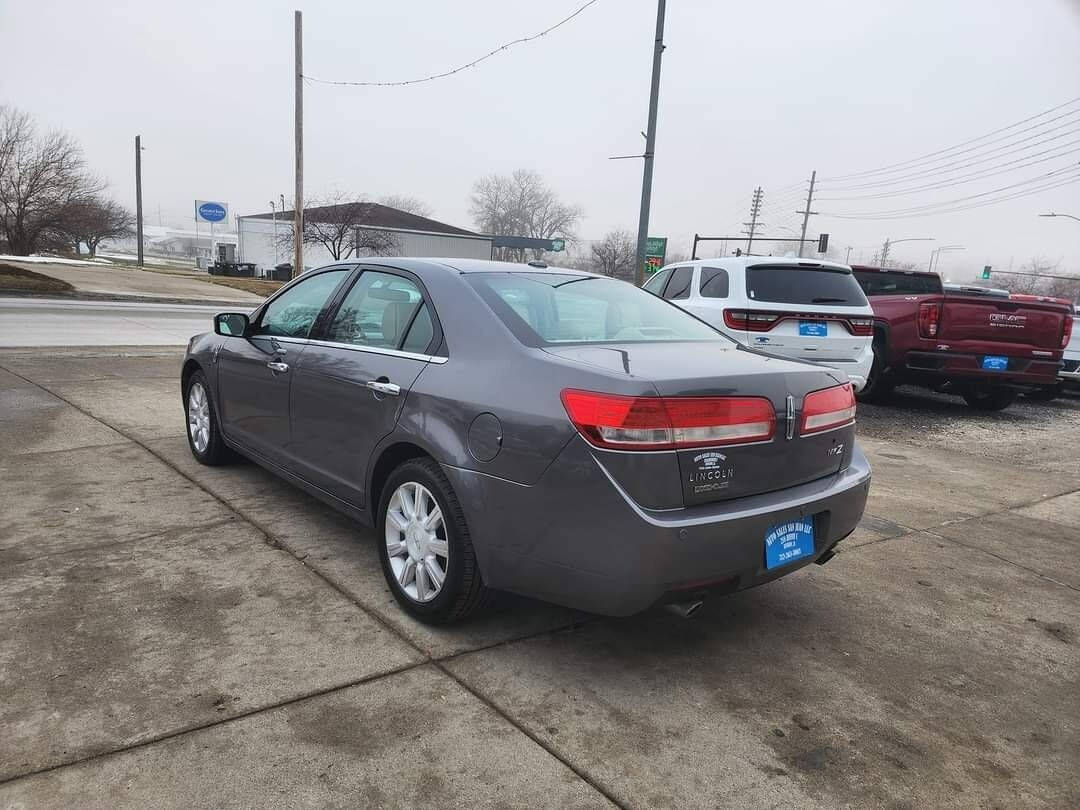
(183, 636)
(57, 322)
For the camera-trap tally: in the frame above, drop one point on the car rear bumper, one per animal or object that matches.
(576, 539)
(968, 366)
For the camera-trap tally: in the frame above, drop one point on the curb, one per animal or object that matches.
(137, 299)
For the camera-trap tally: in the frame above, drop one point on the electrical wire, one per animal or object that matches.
(474, 63)
(953, 149)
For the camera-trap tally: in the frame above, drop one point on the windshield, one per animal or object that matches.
(785, 284)
(544, 309)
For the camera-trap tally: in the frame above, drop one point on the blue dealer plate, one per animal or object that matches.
(813, 329)
(993, 362)
(788, 542)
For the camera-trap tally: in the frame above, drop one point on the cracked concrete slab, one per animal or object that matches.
(109, 646)
(147, 408)
(909, 673)
(35, 421)
(1064, 510)
(414, 739)
(76, 499)
(347, 554)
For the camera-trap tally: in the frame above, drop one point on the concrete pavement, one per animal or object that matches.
(103, 280)
(60, 322)
(180, 636)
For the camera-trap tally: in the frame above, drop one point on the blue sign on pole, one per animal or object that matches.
(211, 211)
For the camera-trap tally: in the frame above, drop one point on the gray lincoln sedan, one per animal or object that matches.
(530, 429)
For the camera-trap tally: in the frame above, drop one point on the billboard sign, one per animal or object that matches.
(209, 211)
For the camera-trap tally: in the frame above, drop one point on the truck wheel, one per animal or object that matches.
(990, 399)
(879, 383)
(1046, 394)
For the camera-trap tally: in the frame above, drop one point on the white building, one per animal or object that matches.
(413, 235)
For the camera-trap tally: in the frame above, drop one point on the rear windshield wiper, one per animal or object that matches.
(828, 300)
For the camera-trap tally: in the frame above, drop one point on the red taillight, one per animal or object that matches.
(751, 321)
(1067, 333)
(828, 408)
(665, 423)
(929, 319)
(862, 327)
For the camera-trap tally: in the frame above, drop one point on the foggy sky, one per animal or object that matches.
(752, 93)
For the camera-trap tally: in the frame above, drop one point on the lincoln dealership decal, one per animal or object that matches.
(1006, 321)
(712, 472)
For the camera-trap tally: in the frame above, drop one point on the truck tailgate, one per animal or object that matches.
(1001, 320)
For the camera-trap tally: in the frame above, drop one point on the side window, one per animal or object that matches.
(293, 313)
(655, 285)
(419, 336)
(679, 286)
(376, 312)
(714, 282)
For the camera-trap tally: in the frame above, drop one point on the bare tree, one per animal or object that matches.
(615, 254)
(521, 205)
(94, 220)
(337, 223)
(404, 202)
(40, 177)
(1034, 285)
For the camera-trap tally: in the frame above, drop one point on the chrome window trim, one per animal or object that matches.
(353, 347)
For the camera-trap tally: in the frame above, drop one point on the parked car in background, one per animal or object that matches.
(795, 308)
(548, 432)
(970, 341)
(1070, 369)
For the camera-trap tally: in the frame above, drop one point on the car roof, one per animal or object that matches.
(730, 262)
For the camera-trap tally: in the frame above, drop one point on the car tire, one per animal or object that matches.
(879, 383)
(462, 592)
(990, 399)
(203, 432)
(1046, 394)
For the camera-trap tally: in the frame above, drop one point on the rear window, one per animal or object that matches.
(784, 284)
(888, 283)
(544, 309)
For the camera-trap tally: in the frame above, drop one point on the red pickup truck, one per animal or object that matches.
(981, 344)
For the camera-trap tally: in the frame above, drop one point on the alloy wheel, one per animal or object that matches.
(416, 542)
(198, 417)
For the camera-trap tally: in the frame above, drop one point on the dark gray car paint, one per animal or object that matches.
(562, 493)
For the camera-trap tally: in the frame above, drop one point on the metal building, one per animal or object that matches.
(260, 235)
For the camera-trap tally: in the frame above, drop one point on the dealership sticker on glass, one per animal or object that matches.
(789, 542)
(992, 362)
(813, 329)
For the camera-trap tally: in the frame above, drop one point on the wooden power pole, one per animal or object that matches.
(298, 203)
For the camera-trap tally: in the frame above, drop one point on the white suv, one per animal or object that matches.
(797, 308)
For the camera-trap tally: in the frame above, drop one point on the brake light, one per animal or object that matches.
(667, 423)
(929, 319)
(828, 408)
(863, 327)
(1067, 332)
(751, 321)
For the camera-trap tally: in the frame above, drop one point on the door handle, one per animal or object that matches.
(380, 387)
(277, 367)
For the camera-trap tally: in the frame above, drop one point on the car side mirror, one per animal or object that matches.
(231, 324)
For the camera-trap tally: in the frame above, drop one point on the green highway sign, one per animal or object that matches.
(655, 251)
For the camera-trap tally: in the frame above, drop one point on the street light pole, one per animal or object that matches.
(650, 145)
(890, 242)
(1070, 216)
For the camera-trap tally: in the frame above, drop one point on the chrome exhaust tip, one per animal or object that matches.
(684, 609)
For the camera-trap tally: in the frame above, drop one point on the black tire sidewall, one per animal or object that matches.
(426, 473)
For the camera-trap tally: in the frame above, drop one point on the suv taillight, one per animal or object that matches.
(929, 319)
(861, 326)
(666, 423)
(750, 321)
(828, 408)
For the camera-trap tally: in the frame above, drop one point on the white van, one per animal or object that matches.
(797, 308)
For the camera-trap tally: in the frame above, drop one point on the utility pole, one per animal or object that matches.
(847, 259)
(650, 144)
(806, 214)
(884, 254)
(298, 203)
(138, 196)
(755, 209)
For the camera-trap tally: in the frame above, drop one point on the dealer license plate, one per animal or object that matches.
(787, 542)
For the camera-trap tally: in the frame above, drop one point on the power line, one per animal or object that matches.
(922, 158)
(474, 63)
(982, 158)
